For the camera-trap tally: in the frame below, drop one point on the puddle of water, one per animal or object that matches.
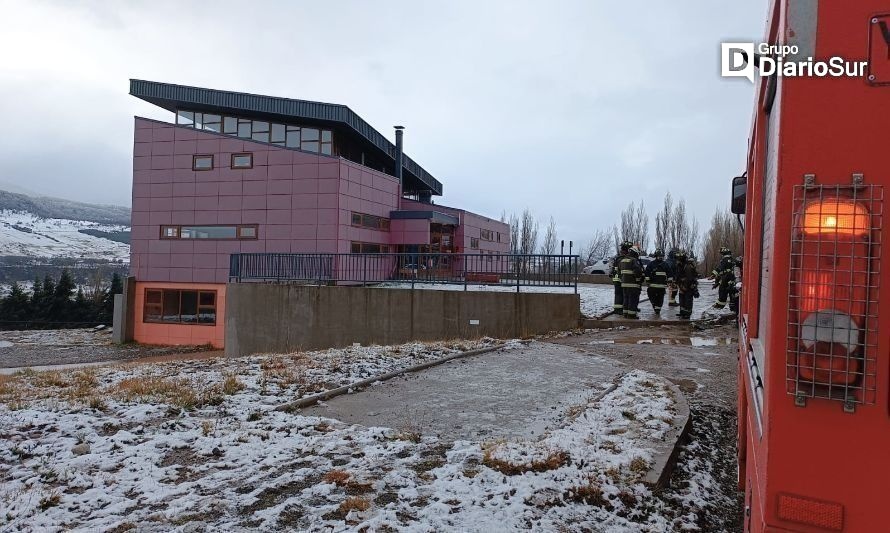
(696, 342)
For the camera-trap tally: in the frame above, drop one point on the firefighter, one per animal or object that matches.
(658, 275)
(687, 283)
(632, 277)
(736, 287)
(724, 277)
(618, 306)
(672, 287)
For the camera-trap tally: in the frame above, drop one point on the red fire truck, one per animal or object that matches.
(814, 346)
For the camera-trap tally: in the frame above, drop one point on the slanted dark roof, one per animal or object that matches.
(173, 97)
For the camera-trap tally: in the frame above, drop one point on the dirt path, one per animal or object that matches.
(703, 365)
(39, 348)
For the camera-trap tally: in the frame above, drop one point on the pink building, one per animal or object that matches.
(242, 173)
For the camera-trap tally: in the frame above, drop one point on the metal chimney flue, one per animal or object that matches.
(399, 151)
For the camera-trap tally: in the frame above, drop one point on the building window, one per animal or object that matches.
(243, 128)
(368, 248)
(499, 236)
(486, 235)
(175, 306)
(370, 221)
(209, 122)
(260, 131)
(309, 139)
(185, 118)
(327, 142)
(277, 135)
(230, 125)
(202, 162)
(246, 231)
(474, 243)
(242, 161)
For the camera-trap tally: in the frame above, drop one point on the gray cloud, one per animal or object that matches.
(571, 108)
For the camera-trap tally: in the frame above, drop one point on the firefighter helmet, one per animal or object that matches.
(634, 251)
(658, 253)
(626, 245)
(725, 251)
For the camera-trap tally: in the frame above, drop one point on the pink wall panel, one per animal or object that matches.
(302, 202)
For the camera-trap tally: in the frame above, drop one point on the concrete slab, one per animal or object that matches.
(505, 394)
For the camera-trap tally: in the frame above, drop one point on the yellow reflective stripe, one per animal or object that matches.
(657, 286)
(629, 285)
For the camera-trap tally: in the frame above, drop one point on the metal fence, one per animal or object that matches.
(512, 270)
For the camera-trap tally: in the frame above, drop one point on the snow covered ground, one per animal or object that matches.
(192, 444)
(26, 234)
(595, 299)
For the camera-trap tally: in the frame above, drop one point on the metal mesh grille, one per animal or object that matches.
(832, 307)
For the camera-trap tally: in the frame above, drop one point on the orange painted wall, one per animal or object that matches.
(174, 334)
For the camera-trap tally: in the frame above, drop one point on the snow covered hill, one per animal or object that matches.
(26, 234)
(36, 230)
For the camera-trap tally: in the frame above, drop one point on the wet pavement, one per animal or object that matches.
(703, 304)
(504, 394)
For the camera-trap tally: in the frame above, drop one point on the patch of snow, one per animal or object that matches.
(238, 463)
(25, 234)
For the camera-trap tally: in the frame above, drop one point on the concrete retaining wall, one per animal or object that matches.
(285, 318)
(602, 279)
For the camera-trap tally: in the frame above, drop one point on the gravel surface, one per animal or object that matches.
(71, 346)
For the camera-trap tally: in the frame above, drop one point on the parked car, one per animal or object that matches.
(603, 266)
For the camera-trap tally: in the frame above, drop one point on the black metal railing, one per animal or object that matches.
(519, 270)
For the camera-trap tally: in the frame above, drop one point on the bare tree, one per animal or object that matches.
(634, 226)
(663, 223)
(724, 231)
(514, 233)
(548, 247)
(693, 238)
(94, 288)
(598, 247)
(528, 233)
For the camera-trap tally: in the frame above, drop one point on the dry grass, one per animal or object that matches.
(280, 371)
(207, 427)
(49, 379)
(344, 479)
(177, 392)
(231, 384)
(354, 504)
(337, 477)
(590, 493)
(50, 499)
(639, 465)
(555, 459)
(7, 384)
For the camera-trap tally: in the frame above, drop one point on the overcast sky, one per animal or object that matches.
(572, 108)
